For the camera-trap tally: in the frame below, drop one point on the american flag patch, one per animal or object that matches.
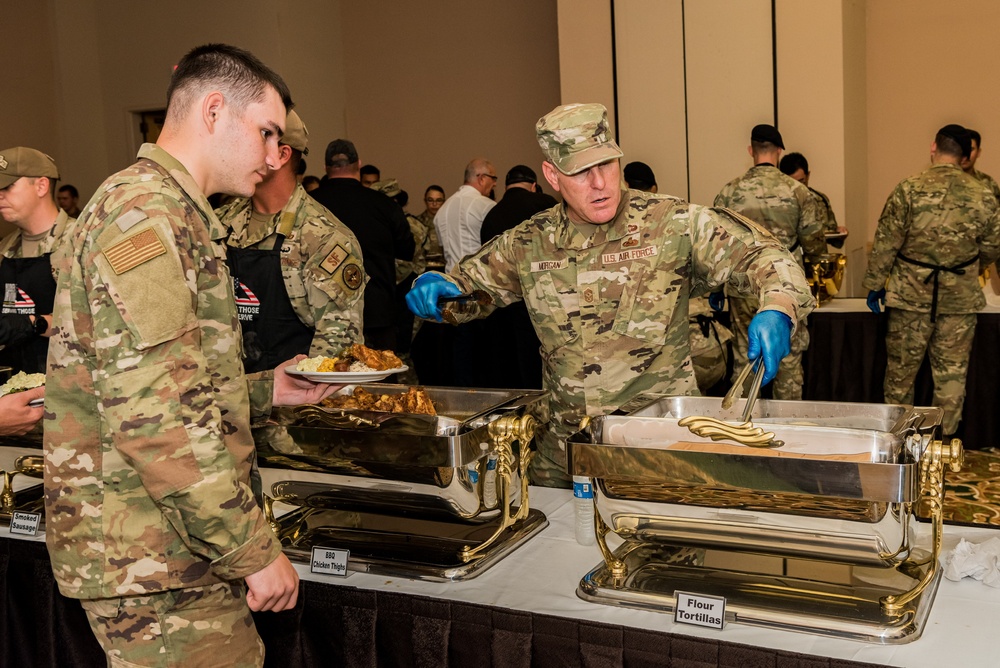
(134, 250)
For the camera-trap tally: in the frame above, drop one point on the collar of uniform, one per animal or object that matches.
(573, 237)
(187, 183)
(763, 165)
(47, 243)
(237, 219)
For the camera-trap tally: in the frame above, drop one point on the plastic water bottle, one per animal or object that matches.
(490, 482)
(583, 502)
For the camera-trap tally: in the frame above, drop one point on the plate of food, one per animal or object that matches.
(21, 382)
(357, 363)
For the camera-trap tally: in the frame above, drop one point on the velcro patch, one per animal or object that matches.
(135, 250)
(549, 265)
(129, 219)
(334, 259)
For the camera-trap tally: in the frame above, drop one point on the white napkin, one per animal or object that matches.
(978, 561)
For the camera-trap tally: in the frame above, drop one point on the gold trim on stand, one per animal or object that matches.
(932, 464)
(503, 432)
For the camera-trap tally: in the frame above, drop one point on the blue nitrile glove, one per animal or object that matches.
(717, 300)
(876, 298)
(422, 298)
(770, 337)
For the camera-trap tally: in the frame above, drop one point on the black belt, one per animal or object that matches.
(936, 269)
(791, 249)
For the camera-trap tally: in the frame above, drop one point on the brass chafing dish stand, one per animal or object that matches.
(429, 497)
(21, 471)
(818, 535)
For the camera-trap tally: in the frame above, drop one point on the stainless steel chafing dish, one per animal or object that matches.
(432, 497)
(817, 535)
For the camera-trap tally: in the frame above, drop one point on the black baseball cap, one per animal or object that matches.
(767, 133)
(639, 172)
(521, 174)
(961, 136)
(341, 147)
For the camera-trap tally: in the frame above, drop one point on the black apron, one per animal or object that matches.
(28, 289)
(936, 270)
(272, 332)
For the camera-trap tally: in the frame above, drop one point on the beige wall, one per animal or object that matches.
(433, 85)
(650, 65)
(417, 103)
(929, 63)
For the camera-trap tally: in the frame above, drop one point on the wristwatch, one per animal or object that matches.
(41, 325)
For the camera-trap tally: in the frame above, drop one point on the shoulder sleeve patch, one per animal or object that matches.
(129, 219)
(132, 251)
(334, 259)
(353, 276)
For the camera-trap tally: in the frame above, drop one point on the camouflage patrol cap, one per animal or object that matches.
(575, 137)
(20, 161)
(296, 134)
(388, 187)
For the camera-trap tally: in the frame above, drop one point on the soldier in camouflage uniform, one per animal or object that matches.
(297, 270)
(150, 519)
(936, 230)
(433, 200)
(27, 201)
(784, 208)
(796, 166)
(607, 276)
(969, 165)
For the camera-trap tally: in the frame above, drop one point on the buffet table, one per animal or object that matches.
(521, 612)
(846, 362)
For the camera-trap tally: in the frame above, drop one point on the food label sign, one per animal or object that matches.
(328, 561)
(700, 610)
(25, 524)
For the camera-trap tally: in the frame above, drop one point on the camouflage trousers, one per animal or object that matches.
(189, 628)
(548, 467)
(948, 343)
(788, 382)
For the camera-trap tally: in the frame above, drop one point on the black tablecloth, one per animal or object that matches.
(336, 625)
(846, 362)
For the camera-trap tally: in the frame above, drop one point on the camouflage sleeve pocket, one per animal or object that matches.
(142, 408)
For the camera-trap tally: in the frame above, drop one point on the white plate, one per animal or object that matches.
(343, 376)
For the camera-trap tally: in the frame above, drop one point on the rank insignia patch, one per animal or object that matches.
(352, 276)
(135, 250)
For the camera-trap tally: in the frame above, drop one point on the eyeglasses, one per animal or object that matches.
(492, 176)
(434, 200)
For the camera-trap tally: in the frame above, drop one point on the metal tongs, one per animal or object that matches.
(475, 295)
(736, 391)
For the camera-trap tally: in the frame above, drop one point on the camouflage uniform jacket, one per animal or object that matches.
(943, 217)
(147, 437)
(825, 212)
(11, 244)
(421, 241)
(987, 181)
(610, 302)
(433, 245)
(314, 256)
(781, 204)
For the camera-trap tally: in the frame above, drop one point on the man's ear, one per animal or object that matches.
(212, 106)
(551, 174)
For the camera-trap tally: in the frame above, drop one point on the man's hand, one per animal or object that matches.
(876, 299)
(275, 587)
(770, 338)
(427, 289)
(16, 416)
(294, 390)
